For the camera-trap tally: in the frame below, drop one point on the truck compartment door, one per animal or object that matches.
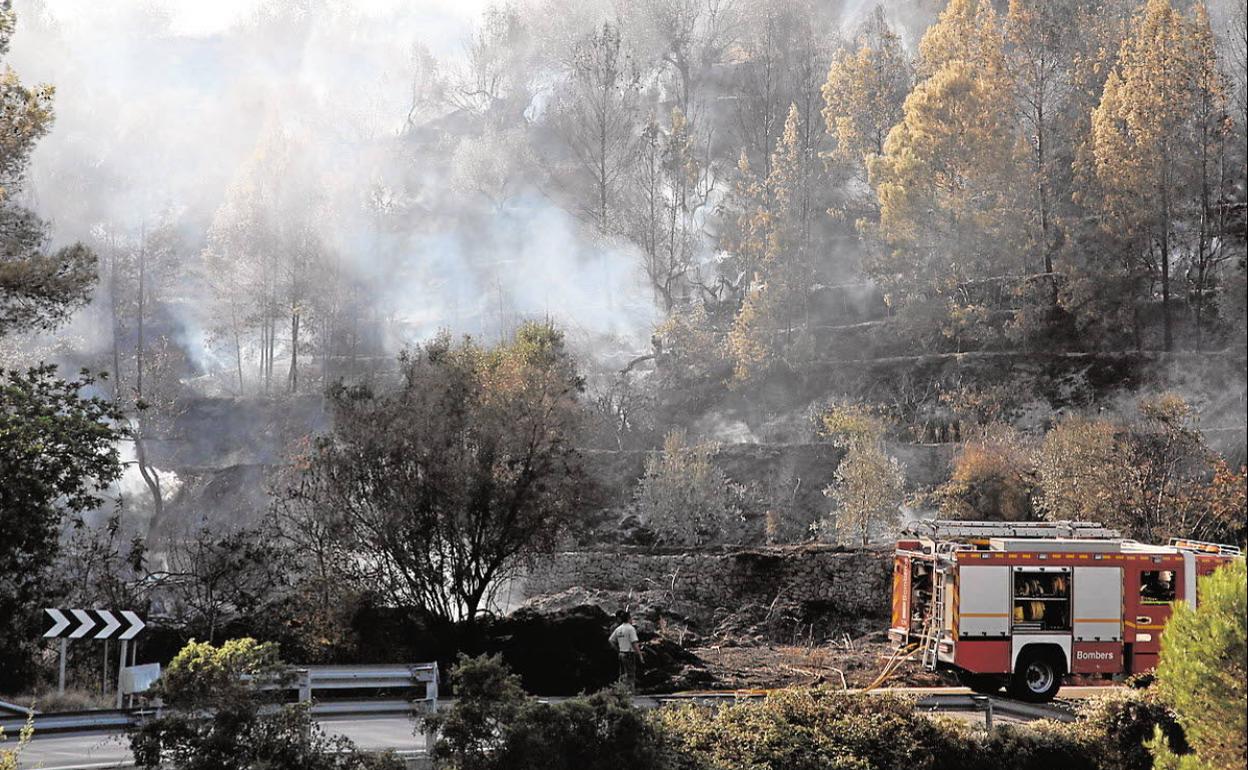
(901, 593)
(1097, 596)
(983, 606)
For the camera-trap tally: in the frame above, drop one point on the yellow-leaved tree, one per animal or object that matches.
(868, 486)
(946, 180)
(1151, 140)
(864, 92)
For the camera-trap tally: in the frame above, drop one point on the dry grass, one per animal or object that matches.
(72, 700)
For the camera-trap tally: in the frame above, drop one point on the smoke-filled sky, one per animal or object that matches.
(161, 106)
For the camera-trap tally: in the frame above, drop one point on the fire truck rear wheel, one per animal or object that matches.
(984, 684)
(1037, 677)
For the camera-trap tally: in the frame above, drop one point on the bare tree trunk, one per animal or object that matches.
(238, 358)
(264, 349)
(294, 350)
(150, 478)
(1168, 332)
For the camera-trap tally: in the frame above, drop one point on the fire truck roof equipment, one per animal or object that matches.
(1201, 546)
(946, 529)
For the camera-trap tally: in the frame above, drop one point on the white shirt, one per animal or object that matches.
(623, 637)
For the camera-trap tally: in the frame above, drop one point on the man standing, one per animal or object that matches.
(624, 640)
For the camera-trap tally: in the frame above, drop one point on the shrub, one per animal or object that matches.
(684, 498)
(993, 477)
(1116, 728)
(495, 726)
(819, 729)
(813, 729)
(1203, 673)
(216, 718)
(9, 758)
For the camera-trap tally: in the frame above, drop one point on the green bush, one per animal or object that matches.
(819, 729)
(1203, 673)
(495, 726)
(215, 718)
(1117, 727)
(803, 730)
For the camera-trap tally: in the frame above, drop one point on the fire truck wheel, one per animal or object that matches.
(984, 684)
(1036, 678)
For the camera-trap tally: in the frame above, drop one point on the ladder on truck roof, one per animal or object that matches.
(941, 529)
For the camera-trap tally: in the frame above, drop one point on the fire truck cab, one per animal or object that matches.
(1022, 605)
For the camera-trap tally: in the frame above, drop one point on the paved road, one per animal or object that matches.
(102, 750)
(95, 751)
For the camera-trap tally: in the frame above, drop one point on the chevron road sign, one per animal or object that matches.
(92, 624)
(122, 625)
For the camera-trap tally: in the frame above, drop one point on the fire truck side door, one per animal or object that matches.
(1097, 598)
(1151, 590)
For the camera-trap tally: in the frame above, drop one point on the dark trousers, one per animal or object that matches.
(628, 669)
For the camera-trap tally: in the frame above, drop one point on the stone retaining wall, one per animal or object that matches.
(853, 582)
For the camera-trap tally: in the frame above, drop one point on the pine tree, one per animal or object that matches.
(1040, 59)
(37, 289)
(1202, 673)
(775, 246)
(944, 185)
(864, 93)
(1147, 141)
(968, 31)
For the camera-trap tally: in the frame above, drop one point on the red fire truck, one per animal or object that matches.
(1022, 604)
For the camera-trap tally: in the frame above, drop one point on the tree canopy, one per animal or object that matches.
(58, 438)
(444, 486)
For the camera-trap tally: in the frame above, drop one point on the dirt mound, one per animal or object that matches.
(565, 652)
(654, 612)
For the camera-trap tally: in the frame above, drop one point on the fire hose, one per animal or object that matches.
(899, 656)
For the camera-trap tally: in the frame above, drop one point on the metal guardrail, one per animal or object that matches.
(931, 702)
(13, 708)
(110, 720)
(310, 679)
(114, 721)
(307, 681)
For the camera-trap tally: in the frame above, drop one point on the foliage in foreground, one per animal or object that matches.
(58, 452)
(216, 718)
(495, 726)
(9, 757)
(821, 729)
(1204, 673)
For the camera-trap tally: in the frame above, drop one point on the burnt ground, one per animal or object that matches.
(684, 649)
(848, 663)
